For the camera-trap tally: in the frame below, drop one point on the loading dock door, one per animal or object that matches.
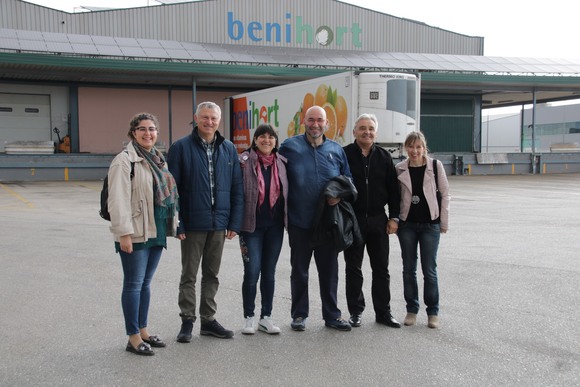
(24, 117)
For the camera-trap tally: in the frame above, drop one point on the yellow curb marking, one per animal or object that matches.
(17, 196)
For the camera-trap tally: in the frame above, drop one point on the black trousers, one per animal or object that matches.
(326, 258)
(376, 241)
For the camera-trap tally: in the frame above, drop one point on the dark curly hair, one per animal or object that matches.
(136, 120)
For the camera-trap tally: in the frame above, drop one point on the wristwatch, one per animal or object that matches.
(395, 219)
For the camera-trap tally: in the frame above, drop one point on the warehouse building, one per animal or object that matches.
(75, 79)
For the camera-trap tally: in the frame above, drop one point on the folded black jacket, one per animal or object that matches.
(337, 224)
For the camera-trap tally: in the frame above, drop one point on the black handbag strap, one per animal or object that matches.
(437, 193)
(435, 173)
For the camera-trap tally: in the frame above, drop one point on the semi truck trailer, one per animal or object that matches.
(393, 97)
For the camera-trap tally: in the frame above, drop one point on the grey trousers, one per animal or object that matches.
(205, 248)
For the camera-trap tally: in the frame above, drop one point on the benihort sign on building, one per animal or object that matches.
(293, 29)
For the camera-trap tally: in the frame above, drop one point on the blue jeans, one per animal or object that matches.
(138, 268)
(260, 252)
(426, 236)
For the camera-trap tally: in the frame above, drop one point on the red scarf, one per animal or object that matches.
(266, 161)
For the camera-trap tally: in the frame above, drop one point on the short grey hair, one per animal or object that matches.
(367, 116)
(208, 105)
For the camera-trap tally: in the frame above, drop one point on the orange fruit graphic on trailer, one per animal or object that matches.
(341, 115)
(321, 95)
(291, 129)
(332, 121)
(306, 104)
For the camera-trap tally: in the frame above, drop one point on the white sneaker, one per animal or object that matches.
(249, 326)
(266, 325)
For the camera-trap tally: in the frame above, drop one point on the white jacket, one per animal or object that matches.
(131, 201)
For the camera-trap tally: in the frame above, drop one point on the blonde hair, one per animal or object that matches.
(414, 137)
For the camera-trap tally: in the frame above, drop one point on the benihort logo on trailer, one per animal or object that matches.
(247, 115)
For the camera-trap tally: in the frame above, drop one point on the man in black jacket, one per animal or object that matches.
(375, 179)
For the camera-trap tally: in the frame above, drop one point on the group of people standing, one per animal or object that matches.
(329, 199)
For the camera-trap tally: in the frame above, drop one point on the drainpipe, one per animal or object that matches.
(522, 128)
(193, 95)
(170, 101)
(534, 131)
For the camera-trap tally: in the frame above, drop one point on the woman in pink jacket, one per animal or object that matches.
(424, 216)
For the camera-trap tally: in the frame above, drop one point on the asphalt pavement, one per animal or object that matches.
(509, 275)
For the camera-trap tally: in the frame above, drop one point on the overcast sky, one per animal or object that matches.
(510, 27)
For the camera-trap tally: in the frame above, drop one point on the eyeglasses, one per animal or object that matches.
(320, 121)
(143, 129)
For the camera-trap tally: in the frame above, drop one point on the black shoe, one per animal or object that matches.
(298, 324)
(142, 349)
(214, 328)
(155, 341)
(338, 324)
(355, 320)
(388, 320)
(184, 335)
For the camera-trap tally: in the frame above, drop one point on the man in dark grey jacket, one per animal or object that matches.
(207, 171)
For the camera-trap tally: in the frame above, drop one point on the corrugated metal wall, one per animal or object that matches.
(233, 21)
(448, 124)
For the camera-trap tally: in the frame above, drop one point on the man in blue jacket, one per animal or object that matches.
(313, 160)
(207, 171)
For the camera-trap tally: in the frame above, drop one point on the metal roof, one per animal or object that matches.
(23, 41)
(36, 55)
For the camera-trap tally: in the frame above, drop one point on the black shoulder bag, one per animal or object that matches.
(437, 193)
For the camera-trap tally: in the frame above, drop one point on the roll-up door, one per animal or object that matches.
(24, 117)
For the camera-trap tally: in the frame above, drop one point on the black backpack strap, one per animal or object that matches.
(132, 166)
